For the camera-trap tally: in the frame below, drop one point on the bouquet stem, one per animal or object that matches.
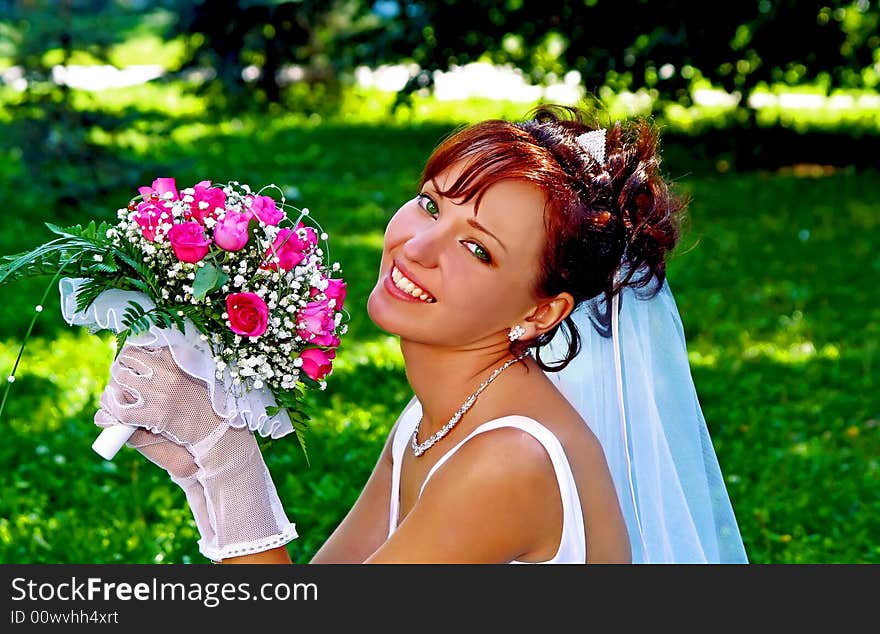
(110, 441)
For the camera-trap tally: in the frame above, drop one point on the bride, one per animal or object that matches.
(554, 419)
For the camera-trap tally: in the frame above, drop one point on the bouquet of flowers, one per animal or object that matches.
(234, 281)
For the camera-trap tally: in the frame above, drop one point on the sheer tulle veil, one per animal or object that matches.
(635, 391)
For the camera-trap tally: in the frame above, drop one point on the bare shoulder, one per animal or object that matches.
(550, 409)
(501, 477)
(504, 456)
(606, 533)
(490, 502)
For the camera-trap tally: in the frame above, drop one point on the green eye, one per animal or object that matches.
(426, 203)
(478, 251)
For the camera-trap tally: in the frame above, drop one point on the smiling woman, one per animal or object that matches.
(523, 239)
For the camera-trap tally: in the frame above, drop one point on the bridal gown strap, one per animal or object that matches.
(572, 545)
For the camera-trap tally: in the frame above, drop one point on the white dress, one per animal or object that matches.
(572, 546)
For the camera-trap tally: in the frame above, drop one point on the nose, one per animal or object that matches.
(423, 245)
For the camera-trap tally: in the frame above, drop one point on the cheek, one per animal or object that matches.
(398, 228)
(483, 294)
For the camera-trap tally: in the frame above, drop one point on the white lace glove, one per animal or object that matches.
(219, 467)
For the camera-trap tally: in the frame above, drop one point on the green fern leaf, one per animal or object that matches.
(89, 291)
(99, 268)
(132, 316)
(299, 428)
(121, 337)
(47, 258)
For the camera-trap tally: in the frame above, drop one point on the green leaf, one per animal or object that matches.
(299, 428)
(89, 291)
(95, 234)
(134, 318)
(56, 229)
(291, 400)
(208, 278)
(98, 268)
(74, 248)
(121, 336)
(309, 381)
(46, 259)
(139, 285)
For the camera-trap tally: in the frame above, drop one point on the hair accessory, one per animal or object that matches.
(420, 448)
(516, 332)
(593, 143)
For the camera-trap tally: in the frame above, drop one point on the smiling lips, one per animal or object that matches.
(409, 287)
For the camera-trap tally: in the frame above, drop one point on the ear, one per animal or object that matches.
(547, 314)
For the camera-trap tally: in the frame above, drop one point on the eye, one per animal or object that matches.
(427, 203)
(479, 252)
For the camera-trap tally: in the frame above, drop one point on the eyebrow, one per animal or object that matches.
(471, 221)
(477, 225)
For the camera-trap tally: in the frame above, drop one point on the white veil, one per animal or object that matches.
(636, 392)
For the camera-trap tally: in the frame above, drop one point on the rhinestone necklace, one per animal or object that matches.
(419, 449)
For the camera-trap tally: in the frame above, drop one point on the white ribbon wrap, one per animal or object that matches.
(192, 355)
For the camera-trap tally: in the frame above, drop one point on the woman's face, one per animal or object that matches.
(451, 277)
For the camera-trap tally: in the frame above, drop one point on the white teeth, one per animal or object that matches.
(408, 286)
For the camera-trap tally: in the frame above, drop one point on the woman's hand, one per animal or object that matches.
(219, 466)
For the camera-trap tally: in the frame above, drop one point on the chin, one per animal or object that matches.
(391, 316)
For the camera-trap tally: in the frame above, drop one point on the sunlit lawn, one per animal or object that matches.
(774, 280)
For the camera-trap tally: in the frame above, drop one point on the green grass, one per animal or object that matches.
(774, 281)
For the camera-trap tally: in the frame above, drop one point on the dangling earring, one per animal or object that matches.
(516, 332)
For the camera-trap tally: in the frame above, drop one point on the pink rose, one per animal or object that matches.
(248, 314)
(189, 242)
(162, 187)
(264, 208)
(231, 233)
(317, 363)
(206, 201)
(335, 290)
(289, 249)
(315, 324)
(148, 216)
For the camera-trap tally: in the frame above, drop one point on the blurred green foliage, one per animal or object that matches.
(56, 142)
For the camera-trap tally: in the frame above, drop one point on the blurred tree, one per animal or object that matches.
(661, 45)
(270, 44)
(61, 148)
